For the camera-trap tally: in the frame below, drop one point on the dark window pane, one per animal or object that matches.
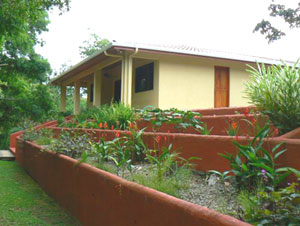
(144, 78)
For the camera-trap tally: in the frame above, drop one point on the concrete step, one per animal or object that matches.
(6, 155)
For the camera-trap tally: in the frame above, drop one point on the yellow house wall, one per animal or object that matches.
(188, 82)
(150, 97)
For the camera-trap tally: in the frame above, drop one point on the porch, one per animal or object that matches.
(118, 75)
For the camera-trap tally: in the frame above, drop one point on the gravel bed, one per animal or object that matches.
(204, 189)
(210, 191)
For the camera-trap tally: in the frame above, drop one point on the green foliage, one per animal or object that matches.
(224, 176)
(23, 72)
(253, 165)
(163, 162)
(280, 207)
(116, 116)
(290, 16)
(93, 45)
(275, 91)
(45, 137)
(172, 184)
(181, 119)
(71, 144)
(100, 151)
(123, 151)
(166, 173)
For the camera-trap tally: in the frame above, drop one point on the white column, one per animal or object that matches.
(126, 80)
(97, 88)
(63, 94)
(77, 98)
(129, 81)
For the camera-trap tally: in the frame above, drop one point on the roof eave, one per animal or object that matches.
(55, 80)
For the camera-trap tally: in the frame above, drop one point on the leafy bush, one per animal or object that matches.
(254, 166)
(71, 144)
(116, 116)
(41, 136)
(181, 119)
(171, 184)
(280, 207)
(45, 137)
(165, 174)
(275, 90)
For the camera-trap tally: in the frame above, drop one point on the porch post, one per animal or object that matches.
(97, 88)
(126, 82)
(123, 81)
(63, 94)
(77, 98)
(89, 93)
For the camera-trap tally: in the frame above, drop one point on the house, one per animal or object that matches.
(139, 75)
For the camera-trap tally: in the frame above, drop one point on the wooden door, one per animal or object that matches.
(221, 87)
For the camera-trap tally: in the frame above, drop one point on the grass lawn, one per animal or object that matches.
(23, 202)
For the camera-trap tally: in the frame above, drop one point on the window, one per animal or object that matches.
(144, 78)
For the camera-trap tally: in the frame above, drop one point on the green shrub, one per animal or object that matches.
(171, 184)
(254, 166)
(181, 119)
(280, 207)
(116, 115)
(45, 137)
(71, 144)
(275, 90)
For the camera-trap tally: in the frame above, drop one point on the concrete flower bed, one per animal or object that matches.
(207, 147)
(87, 191)
(97, 197)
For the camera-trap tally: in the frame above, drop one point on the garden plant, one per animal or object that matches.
(275, 90)
(263, 195)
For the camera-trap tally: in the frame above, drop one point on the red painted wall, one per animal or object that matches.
(96, 197)
(223, 110)
(218, 123)
(204, 147)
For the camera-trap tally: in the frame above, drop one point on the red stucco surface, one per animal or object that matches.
(96, 197)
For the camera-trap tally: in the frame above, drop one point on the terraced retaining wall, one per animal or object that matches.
(218, 123)
(99, 198)
(207, 147)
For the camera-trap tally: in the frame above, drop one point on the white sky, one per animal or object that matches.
(214, 24)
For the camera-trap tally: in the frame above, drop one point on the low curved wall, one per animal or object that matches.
(219, 125)
(13, 137)
(206, 147)
(97, 197)
(223, 110)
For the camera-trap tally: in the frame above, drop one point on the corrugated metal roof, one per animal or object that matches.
(191, 50)
(178, 49)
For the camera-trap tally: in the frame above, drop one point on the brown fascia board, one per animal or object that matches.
(78, 69)
(81, 67)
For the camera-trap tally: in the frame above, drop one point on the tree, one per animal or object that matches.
(23, 72)
(92, 45)
(289, 15)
